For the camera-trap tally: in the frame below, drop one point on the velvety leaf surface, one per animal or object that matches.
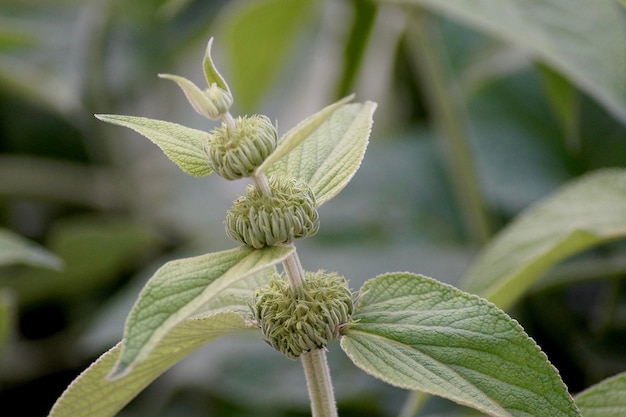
(93, 395)
(301, 132)
(604, 399)
(179, 288)
(563, 33)
(14, 249)
(419, 334)
(328, 159)
(183, 145)
(586, 212)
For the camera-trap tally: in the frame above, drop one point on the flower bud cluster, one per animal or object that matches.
(235, 151)
(309, 319)
(259, 219)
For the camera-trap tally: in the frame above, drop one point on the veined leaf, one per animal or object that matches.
(604, 399)
(301, 132)
(15, 249)
(93, 395)
(419, 334)
(562, 33)
(179, 288)
(330, 156)
(183, 145)
(586, 212)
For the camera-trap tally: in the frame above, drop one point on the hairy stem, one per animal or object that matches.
(449, 118)
(318, 382)
(315, 365)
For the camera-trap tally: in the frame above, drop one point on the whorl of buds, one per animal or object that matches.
(297, 323)
(235, 151)
(259, 219)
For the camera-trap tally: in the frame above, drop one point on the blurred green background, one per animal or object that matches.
(473, 126)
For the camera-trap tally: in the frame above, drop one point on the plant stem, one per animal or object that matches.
(319, 385)
(314, 362)
(449, 118)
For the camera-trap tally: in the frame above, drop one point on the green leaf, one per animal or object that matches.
(94, 251)
(586, 212)
(604, 399)
(419, 334)
(14, 249)
(298, 134)
(562, 33)
(179, 289)
(211, 73)
(330, 156)
(183, 145)
(258, 36)
(93, 395)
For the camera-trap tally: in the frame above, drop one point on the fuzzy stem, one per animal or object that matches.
(229, 120)
(294, 271)
(315, 365)
(260, 181)
(319, 385)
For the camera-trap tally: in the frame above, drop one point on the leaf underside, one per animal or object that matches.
(328, 159)
(92, 394)
(182, 145)
(179, 289)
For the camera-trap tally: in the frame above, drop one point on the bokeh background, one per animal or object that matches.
(472, 128)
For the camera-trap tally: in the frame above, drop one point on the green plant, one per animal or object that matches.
(409, 330)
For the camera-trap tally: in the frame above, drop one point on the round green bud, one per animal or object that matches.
(235, 151)
(259, 219)
(309, 319)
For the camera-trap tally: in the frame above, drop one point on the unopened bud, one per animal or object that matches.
(259, 219)
(307, 320)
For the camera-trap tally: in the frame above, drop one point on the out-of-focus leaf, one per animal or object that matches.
(178, 289)
(604, 399)
(14, 249)
(562, 33)
(586, 212)
(93, 395)
(94, 250)
(183, 145)
(564, 100)
(61, 181)
(328, 159)
(420, 334)
(258, 36)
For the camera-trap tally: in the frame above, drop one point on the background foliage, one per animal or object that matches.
(463, 94)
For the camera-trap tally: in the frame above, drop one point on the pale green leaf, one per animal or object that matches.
(604, 399)
(211, 73)
(328, 159)
(93, 395)
(589, 211)
(183, 145)
(258, 36)
(179, 289)
(299, 133)
(15, 249)
(562, 33)
(419, 334)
